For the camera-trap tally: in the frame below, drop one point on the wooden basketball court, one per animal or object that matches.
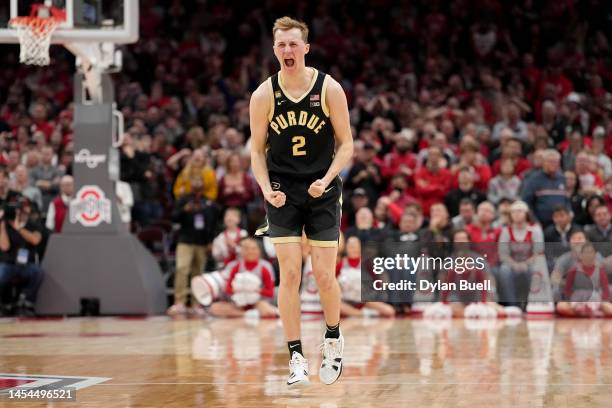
(160, 362)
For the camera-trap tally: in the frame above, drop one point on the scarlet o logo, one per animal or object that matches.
(90, 207)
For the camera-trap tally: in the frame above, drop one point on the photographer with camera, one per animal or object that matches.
(197, 217)
(19, 239)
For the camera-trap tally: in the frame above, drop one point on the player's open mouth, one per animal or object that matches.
(289, 62)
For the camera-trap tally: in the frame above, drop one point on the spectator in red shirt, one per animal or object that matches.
(401, 160)
(471, 158)
(39, 120)
(531, 73)
(250, 285)
(399, 192)
(432, 181)
(58, 208)
(236, 186)
(483, 234)
(553, 76)
(513, 150)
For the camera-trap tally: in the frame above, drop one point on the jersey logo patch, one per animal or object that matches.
(279, 102)
(275, 185)
(277, 94)
(329, 189)
(313, 104)
(316, 97)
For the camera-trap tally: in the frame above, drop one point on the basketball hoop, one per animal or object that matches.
(34, 38)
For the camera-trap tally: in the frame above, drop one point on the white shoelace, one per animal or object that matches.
(298, 362)
(331, 348)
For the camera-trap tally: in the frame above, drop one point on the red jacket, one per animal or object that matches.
(609, 145)
(394, 160)
(520, 165)
(43, 126)
(484, 242)
(586, 141)
(235, 199)
(60, 213)
(435, 188)
(482, 175)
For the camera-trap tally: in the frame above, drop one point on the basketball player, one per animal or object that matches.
(301, 140)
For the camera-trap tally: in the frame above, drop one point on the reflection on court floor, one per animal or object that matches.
(240, 363)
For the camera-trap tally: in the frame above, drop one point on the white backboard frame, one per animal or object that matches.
(126, 34)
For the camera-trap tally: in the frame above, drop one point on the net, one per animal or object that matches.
(34, 38)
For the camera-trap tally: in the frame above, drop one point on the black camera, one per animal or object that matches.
(10, 209)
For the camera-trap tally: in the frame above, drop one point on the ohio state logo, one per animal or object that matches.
(90, 207)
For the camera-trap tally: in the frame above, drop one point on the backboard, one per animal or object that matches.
(89, 21)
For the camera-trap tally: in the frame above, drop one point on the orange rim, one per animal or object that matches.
(38, 25)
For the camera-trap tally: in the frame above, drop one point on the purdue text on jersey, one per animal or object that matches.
(300, 135)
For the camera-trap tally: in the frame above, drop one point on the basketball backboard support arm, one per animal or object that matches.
(93, 60)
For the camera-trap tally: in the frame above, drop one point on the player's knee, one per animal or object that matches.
(290, 278)
(325, 280)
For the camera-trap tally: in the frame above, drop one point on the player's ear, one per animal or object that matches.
(307, 48)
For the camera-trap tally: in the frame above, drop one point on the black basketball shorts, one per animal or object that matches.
(318, 217)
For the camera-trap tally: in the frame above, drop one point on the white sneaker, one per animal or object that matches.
(367, 312)
(298, 371)
(331, 366)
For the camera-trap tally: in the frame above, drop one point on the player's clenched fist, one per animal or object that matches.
(276, 198)
(317, 188)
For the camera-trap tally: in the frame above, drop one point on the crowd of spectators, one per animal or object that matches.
(453, 105)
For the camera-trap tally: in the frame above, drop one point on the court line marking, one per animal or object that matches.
(46, 379)
(352, 383)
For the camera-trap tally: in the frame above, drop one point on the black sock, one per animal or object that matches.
(295, 345)
(332, 332)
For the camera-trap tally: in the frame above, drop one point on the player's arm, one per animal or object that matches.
(339, 116)
(259, 108)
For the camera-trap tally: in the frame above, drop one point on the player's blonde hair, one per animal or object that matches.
(287, 23)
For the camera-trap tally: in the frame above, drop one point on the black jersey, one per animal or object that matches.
(300, 135)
